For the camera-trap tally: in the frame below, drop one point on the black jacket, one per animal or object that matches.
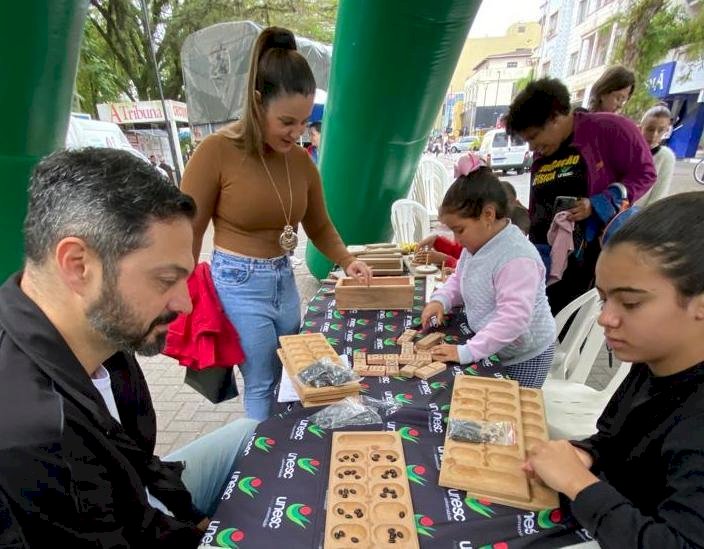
(649, 453)
(70, 475)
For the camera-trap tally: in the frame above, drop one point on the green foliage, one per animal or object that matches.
(649, 30)
(115, 59)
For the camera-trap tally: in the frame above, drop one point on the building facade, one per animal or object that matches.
(488, 92)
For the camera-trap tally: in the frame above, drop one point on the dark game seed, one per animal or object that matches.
(399, 535)
(340, 512)
(354, 540)
(353, 491)
(355, 455)
(340, 475)
(402, 514)
(348, 516)
(383, 494)
(357, 477)
(391, 531)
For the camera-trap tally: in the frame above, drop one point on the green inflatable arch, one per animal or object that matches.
(392, 63)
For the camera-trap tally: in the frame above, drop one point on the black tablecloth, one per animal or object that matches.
(276, 495)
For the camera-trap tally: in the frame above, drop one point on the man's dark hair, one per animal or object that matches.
(106, 197)
(540, 101)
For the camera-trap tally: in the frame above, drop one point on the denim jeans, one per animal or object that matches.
(261, 300)
(209, 460)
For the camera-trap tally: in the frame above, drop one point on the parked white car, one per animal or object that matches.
(464, 144)
(504, 152)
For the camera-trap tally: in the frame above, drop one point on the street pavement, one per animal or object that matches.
(183, 415)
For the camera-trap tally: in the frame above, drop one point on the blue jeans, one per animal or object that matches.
(261, 300)
(209, 461)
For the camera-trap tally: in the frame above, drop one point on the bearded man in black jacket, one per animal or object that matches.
(108, 244)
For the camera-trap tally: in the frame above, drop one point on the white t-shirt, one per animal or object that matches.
(101, 381)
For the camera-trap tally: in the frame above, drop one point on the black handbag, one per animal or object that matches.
(217, 384)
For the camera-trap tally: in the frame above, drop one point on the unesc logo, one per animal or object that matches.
(297, 513)
(303, 426)
(227, 537)
(291, 461)
(249, 486)
(231, 485)
(435, 419)
(455, 508)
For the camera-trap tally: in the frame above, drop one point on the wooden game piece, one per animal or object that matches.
(392, 369)
(404, 359)
(375, 370)
(391, 360)
(407, 348)
(430, 370)
(408, 370)
(297, 352)
(407, 336)
(424, 357)
(389, 292)
(491, 471)
(369, 499)
(375, 359)
(429, 341)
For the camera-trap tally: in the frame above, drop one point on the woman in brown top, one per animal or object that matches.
(257, 185)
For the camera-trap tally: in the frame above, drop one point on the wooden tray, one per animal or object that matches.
(385, 266)
(298, 352)
(489, 471)
(368, 493)
(390, 292)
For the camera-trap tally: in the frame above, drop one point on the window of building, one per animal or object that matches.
(546, 68)
(581, 11)
(552, 24)
(521, 29)
(572, 66)
(512, 64)
(585, 52)
(602, 46)
(577, 98)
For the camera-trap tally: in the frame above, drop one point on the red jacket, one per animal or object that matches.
(206, 337)
(448, 247)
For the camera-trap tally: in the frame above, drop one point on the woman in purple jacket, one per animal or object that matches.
(594, 162)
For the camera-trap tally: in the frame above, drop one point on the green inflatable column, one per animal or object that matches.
(391, 66)
(40, 41)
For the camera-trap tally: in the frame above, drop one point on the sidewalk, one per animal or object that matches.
(183, 414)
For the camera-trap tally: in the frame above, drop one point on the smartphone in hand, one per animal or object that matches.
(563, 203)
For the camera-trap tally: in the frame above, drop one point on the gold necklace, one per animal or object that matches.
(288, 239)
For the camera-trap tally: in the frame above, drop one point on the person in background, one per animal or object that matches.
(108, 243)
(167, 168)
(152, 160)
(595, 161)
(500, 280)
(314, 147)
(639, 481)
(613, 90)
(655, 125)
(257, 185)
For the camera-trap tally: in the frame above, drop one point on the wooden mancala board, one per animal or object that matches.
(383, 293)
(300, 351)
(369, 500)
(491, 471)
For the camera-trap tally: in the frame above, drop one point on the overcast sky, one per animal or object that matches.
(495, 16)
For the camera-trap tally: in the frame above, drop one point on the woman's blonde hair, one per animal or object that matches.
(276, 68)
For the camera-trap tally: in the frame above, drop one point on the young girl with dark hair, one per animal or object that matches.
(500, 279)
(639, 481)
(257, 185)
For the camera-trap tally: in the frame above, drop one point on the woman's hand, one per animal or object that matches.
(561, 466)
(360, 270)
(445, 353)
(432, 309)
(582, 210)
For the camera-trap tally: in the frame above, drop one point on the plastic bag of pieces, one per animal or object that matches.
(354, 410)
(502, 433)
(326, 373)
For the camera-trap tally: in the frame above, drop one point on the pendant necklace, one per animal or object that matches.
(288, 240)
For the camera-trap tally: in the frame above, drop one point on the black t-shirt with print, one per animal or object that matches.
(561, 174)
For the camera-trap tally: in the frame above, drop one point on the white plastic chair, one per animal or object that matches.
(576, 353)
(409, 220)
(572, 408)
(430, 183)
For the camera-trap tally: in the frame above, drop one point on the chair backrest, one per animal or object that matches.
(581, 344)
(409, 220)
(430, 183)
